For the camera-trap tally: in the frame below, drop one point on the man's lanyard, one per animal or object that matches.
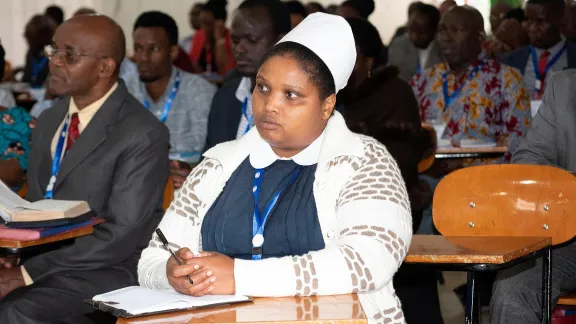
(57, 158)
(250, 119)
(418, 67)
(540, 78)
(170, 99)
(37, 66)
(259, 221)
(448, 99)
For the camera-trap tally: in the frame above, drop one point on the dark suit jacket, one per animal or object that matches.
(119, 164)
(225, 114)
(552, 138)
(404, 55)
(519, 57)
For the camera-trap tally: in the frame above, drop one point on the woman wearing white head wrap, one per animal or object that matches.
(298, 206)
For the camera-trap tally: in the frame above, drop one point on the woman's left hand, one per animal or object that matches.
(222, 268)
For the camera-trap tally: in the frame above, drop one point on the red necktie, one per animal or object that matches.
(542, 68)
(73, 131)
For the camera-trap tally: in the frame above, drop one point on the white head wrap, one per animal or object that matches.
(330, 37)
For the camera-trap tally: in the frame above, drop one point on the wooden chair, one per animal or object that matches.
(508, 200)
(168, 194)
(429, 155)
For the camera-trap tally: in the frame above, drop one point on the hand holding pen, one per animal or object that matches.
(185, 276)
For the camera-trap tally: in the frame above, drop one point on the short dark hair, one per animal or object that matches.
(429, 11)
(277, 12)
(309, 62)
(217, 8)
(158, 19)
(364, 7)
(412, 7)
(296, 7)
(319, 6)
(558, 4)
(367, 38)
(56, 13)
(516, 13)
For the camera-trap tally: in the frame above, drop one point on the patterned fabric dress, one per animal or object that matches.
(15, 129)
(492, 105)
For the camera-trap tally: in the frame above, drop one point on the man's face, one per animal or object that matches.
(252, 34)
(420, 31)
(194, 17)
(153, 53)
(543, 24)
(459, 42)
(207, 21)
(72, 74)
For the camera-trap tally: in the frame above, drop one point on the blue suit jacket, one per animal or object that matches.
(519, 57)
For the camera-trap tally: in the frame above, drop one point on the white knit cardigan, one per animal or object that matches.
(363, 210)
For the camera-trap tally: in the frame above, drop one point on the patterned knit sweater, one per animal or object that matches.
(363, 210)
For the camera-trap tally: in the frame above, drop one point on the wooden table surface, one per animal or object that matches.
(344, 309)
(13, 244)
(472, 249)
(462, 150)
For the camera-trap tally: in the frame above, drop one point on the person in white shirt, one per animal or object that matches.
(298, 206)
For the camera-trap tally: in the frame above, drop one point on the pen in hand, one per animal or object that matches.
(165, 243)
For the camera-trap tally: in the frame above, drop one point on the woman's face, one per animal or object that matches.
(288, 111)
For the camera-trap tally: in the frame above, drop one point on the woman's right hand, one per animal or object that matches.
(202, 278)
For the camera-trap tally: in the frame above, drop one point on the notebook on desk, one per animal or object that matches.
(139, 301)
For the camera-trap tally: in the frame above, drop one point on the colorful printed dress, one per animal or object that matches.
(15, 129)
(490, 103)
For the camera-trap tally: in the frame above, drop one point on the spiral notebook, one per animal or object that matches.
(139, 301)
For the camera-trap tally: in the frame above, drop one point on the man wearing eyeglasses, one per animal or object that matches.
(113, 154)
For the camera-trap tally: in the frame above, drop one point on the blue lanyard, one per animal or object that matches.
(541, 78)
(259, 222)
(250, 119)
(448, 99)
(168, 104)
(57, 157)
(37, 67)
(418, 67)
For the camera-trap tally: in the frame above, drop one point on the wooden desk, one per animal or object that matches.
(15, 247)
(476, 253)
(463, 153)
(343, 309)
(437, 249)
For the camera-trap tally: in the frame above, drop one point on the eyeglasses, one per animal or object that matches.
(69, 56)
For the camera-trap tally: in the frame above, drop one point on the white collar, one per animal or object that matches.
(244, 89)
(262, 155)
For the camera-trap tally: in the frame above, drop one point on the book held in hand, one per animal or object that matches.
(15, 209)
(31, 234)
(139, 301)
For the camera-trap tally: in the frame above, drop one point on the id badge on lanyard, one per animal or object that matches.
(259, 220)
(56, 161)
(170, 99)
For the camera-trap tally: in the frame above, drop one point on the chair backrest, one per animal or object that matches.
(429, 154)
(168, 194)
(507, 200)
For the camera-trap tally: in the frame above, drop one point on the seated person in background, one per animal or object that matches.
(211, 51)
(446, 6)
(380, 105)
(256, 26)
(314, 7)
(114, 154)
(195, 24)
(570, 24)
(517, 292)
(402, 29)
(56, 14)
(510, 35)
(361, 9)
(6, 97)
(548, 52)
(178, 99)
(338, 221)
(417, 49)
(475, 97)
(497, 14)
(15, 129)
(38, 34)
(297, 12)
